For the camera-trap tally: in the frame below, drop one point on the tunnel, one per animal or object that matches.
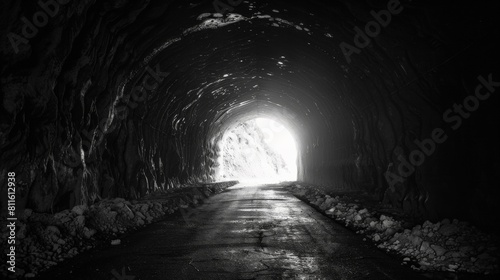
(119, 99)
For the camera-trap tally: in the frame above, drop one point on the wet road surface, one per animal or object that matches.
(254, 232)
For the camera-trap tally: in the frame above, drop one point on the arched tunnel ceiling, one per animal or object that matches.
(141, 91)
(217, 77)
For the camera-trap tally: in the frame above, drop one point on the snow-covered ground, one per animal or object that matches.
(43, 240)
(447, 245)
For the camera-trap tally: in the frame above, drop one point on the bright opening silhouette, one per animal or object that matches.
(257, 151)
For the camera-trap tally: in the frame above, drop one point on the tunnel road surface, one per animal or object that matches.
(252, 232)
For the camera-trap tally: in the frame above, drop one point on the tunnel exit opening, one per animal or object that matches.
(259, 150)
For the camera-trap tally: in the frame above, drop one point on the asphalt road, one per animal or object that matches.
(255, 232)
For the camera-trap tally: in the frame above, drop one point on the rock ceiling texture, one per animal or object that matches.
(118, 98)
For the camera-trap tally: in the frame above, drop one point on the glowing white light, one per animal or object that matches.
(281, 141)
(247, 161)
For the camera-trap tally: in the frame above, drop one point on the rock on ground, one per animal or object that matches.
(46, 239)
(447, 245)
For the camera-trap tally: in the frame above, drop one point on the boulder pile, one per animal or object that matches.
(447, 245)
(43, 240)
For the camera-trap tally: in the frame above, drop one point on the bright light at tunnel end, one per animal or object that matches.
(258, 151)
